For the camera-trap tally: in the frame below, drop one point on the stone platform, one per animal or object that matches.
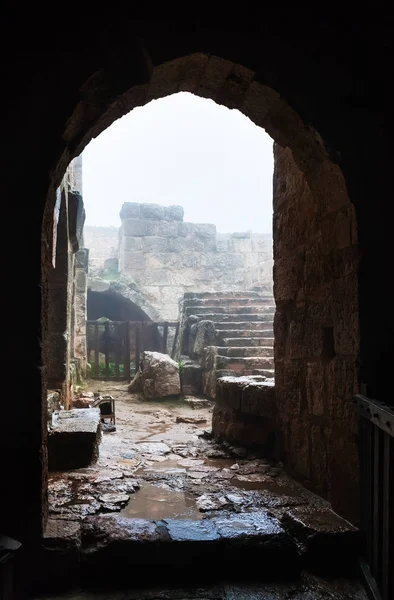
(244, 412)
(73, 439)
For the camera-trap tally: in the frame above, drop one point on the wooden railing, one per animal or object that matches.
(115, 347)
(377, 492)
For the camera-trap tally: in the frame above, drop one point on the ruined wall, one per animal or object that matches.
(168, 257)
(65, 347)
(316, 331)
(102, 243)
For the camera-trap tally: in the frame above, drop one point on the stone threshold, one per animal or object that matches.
(245, 544)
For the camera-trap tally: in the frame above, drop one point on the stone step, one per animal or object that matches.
(248, 341)
(229, 301)
(242, 328)
(235, 310)
(261, 293)
(245, 351)
(231, 546)
(239, 364)
(234, 318)
(264, 372)
(234, 547)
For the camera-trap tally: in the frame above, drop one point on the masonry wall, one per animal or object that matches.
(167, 257)
(316, 332)
(102, 243)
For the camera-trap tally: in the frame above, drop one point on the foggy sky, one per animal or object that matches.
(184, 150)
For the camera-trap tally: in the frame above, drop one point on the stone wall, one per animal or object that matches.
(65, 347)
(316, 331)
(167, 257)
(102, 243)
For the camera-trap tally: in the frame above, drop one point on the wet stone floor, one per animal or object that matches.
(159, 463)
(165, 499)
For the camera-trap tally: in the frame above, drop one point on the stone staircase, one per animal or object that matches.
(244, 336)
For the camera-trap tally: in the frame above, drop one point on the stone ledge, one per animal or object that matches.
(74, 438)
(251, 395)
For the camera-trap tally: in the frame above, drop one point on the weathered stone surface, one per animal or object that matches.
(237, 428)
(191, 378)
(202, 334)
(173, 212)
(113, 528)
(328, 538)
(74, 439)
(158, 376)
(193, 531)
(60, 533)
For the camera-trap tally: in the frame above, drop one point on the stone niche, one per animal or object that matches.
(167, 257)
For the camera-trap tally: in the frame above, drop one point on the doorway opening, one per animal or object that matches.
(315, 290)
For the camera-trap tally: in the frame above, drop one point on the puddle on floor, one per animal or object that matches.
(153, 502)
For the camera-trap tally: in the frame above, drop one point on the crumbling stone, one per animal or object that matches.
(157, 377)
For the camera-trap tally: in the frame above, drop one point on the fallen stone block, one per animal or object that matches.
(157, 377)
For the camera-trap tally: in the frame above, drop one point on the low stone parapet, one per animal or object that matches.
(244, 412)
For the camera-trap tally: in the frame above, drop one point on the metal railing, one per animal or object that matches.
(376, 445)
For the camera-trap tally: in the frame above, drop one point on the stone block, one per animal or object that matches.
(287, 272)
(56, 357)
(167, 228)
(235, 428)
(328, 186)
(192, 243)
(74, 439)
(163, 260)
(315, 392)
(191, 260)
(336, 230)
(152, 211)
(185, 229)
(205, 230)
(157, 277)
(134, 261)
(222, 245)
(330, 541)
(139, 227)
(153, 244)
(191, 531)
(186, 277)
(191, 378)
(82, 259)
(60, 533)
(257, 102)
(130, 210)
(133, 244)
(57, 307)
(173, 213)
(258, 398)
(171, 294)
(177, 244)
(80, 280)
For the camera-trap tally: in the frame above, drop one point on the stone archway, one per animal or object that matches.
(315, 253)
(129, 299)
